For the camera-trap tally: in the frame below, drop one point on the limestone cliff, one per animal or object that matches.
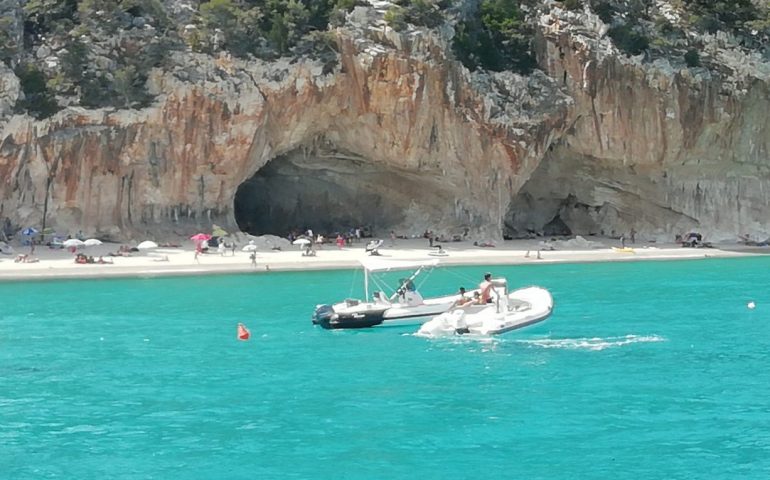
(399, 135)
(654, 147)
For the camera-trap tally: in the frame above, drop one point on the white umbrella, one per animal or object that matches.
(92, 242)
(301, 241)
(250, 248)
(147, 245)
(73, 242)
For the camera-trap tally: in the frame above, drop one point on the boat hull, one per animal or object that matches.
(368, 315)
(326, 317)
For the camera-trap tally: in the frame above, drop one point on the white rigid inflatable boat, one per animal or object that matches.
(405, 306)
(509, 311)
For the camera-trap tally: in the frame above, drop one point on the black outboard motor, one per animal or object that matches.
(323, 315)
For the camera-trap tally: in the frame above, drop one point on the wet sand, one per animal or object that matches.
(60, 264)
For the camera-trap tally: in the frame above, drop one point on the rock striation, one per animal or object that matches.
(659, 148)
(451, 148)
(398, 135)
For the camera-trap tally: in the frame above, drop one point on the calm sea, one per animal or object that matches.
(645, 370)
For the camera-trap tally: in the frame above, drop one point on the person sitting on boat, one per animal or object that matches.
(463, 300)
(408, 293)
(476, 300)
(485, 288)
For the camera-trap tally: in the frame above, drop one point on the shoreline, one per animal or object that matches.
(174, 262)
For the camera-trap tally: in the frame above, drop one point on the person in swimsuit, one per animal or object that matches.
(486, 288)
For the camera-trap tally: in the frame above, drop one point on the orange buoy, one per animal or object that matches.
(243, 332)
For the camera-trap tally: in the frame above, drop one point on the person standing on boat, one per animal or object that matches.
(486, 288)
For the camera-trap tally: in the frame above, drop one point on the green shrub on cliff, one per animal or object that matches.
(8, 47)
(38, 100)
(43, 16)
(496, 38)
(229, 26)
(692, 58)
(424, 13)
(629, 38)
(713, 15)
(264, 28)
(573, 5)
(604, 10)
(395, 17)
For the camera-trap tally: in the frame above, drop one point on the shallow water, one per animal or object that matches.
(646, 370)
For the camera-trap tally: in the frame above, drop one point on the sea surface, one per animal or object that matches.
(653, 370)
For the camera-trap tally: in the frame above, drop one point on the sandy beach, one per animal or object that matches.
(60, 264)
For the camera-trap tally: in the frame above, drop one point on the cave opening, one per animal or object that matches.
(323, 189)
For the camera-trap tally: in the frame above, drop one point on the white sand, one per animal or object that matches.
(181, 261)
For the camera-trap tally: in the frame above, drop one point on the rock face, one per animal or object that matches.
(654, 148)
(400, 136)
(436, 148)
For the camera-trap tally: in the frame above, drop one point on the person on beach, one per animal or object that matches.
(392, 238)
(221, 247)
(197, 253)
(340, 241)
(253, 258)
(485, 288)
(232, 247)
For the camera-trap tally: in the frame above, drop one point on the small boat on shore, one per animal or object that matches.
(404, 307)
(509, 311)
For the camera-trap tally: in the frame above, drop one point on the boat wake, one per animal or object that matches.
(595, 343)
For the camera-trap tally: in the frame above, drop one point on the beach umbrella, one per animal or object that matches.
(250, 248)
(199, 237)
(29, 231)
(219, 231)
(73, 242)
(48, 231)
(92, 242)
(301, 241)
(147, 245)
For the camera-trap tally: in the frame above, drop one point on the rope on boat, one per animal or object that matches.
(462, 277)
(353, 284)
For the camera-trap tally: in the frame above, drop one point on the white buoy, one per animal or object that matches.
(751, 305)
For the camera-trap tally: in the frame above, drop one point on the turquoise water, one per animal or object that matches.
(645, 370)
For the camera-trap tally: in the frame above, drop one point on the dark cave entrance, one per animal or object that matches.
(323, 189)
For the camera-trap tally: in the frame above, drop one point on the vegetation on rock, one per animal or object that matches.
(497, 37)
(638, 25)
(100, 53)
(38, 99)
(421, 13)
